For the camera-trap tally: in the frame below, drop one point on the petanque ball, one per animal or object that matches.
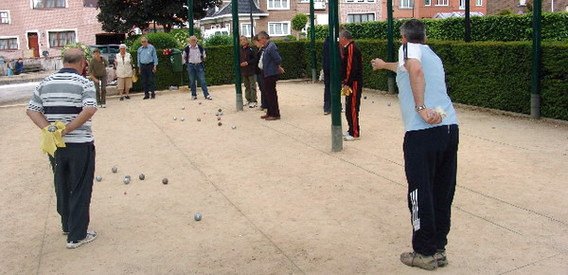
(219, 123)
(183, 107)
(126, 180)
(114, 169)
(99, 178)
(197, 216)
(165, 180)
(141, 176)
(182, 118)
(220, 110)
(198, 119)
(175, 118)
(389, 104)
(365, 97)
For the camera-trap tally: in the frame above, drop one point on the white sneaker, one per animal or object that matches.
(103, 106)
(346, 133)
(91, 236)
(194, 97)
(350, 138)
(209, 97)
(252, 104)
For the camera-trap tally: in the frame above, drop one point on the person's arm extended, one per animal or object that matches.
(379, 64)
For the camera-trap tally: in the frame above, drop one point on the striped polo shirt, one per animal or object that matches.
(61, 97)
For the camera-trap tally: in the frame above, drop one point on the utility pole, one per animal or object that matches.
(313, 41)
(535, 78)
(334, 83)
(251, 22)
(467, 21)
(237, 54)
(190, 16)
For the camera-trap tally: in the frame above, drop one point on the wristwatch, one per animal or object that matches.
(420, 108)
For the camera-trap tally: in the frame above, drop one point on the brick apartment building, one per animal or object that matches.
(520, 6)
(34, 28)
(275, 16)
(432, 8)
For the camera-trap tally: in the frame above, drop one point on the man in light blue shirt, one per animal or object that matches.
(430, 145)
(148, 65)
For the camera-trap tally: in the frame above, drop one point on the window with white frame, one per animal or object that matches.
(48, 4)
(4, 17)
(360, 1)
(522, 3)
(441, 2)
(58, 39)
(278, 4)
(462, 4)
(8, 43)
(360, 17)
(406, 4)
(427, 2)
(479, 3)
(245, 29)
(279, 28)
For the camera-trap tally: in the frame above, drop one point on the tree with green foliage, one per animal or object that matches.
(299, 22)
(122, 16)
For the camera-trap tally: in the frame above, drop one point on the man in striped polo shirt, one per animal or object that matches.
(68, 97)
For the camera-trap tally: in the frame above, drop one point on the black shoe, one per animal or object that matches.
(121, 98)
(153, 95)
(145, 97)
(127, 97)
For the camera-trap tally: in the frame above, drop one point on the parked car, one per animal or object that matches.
(107, 51)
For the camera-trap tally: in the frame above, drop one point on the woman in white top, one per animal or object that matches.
(123, 66)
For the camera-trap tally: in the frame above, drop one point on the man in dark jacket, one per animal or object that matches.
(248, 71)
(352, 78)
(269, 63)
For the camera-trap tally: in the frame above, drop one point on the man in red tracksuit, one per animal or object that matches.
(352, 77)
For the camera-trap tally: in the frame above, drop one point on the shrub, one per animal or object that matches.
(159, 40)
(218, 40)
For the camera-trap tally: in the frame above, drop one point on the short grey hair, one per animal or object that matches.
(414, 30)
(346, 34)
(73, 56)
(263, 34)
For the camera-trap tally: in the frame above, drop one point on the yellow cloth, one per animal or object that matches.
(51, 140)
(346, 91)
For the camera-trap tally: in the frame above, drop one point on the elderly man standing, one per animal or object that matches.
(352, 79)
(194, 55)
(148, 65)
(269, 63)
(430, 145)
(97, 73)
(62, 105)
(248, 71)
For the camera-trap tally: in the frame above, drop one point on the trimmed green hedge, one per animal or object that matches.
(483, 28)
(486, 74)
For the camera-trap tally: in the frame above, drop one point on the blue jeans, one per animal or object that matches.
(197, 71)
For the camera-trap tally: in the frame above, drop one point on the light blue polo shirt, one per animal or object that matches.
(435, 92)
(147, 55)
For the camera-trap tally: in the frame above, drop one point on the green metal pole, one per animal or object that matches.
(467, 21)
(390, 46)
(335, 82)
(535, 78)
(313, 41)
(237, 54)
(190, 16)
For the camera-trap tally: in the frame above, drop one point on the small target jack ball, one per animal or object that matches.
(141, 176)
(165, 181)
(197, 216)
(114, 169)
(99, 178)
(233, 127)
(218, 118)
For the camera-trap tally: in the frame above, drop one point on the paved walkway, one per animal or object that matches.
(275, 199)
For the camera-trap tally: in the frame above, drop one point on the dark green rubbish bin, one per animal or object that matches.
(175, 58)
